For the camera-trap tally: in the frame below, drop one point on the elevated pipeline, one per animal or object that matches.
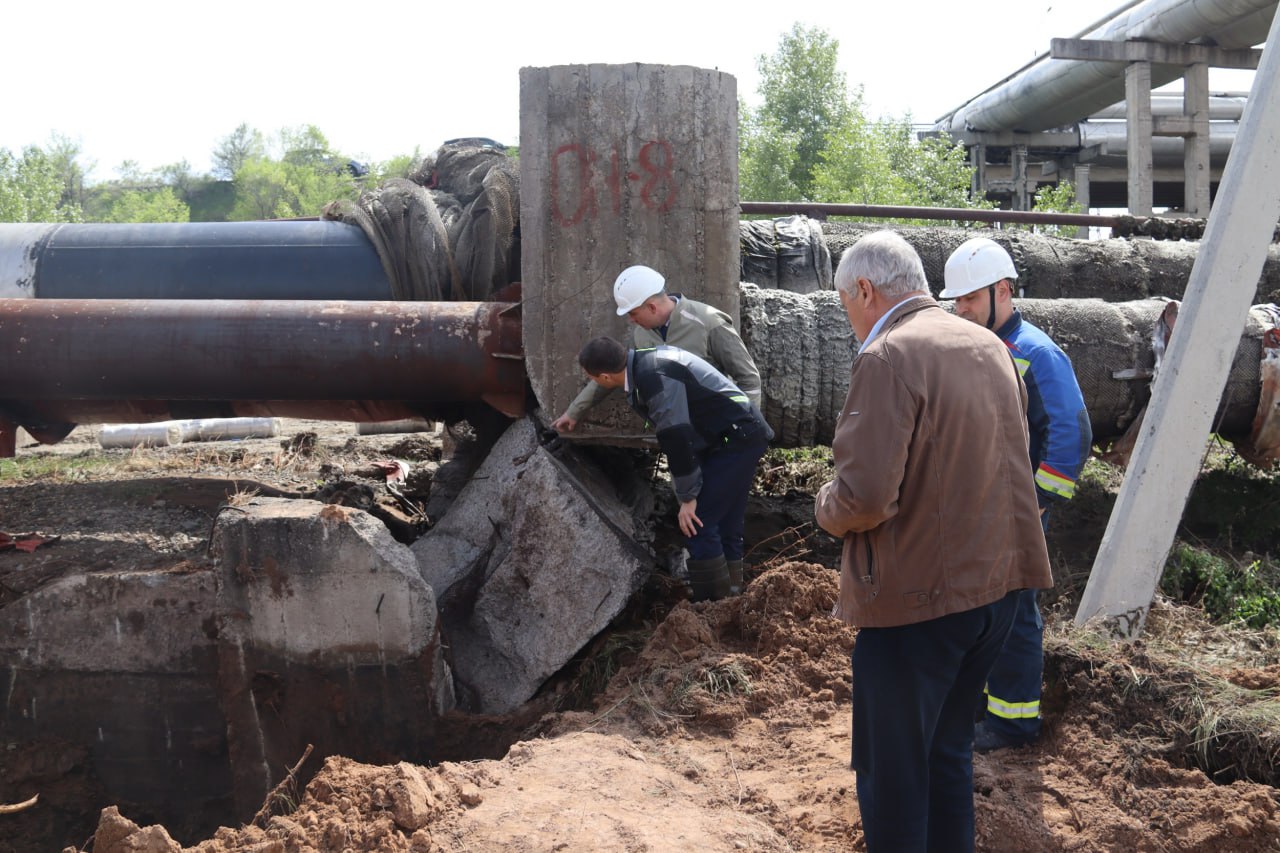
(1050, 93)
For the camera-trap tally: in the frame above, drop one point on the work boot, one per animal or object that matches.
(708, 579)
(987, 740)
(735, 576)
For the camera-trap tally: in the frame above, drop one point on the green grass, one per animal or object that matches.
(1229, 590)
(28, 469)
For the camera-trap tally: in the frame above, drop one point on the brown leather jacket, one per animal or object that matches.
(933, 492)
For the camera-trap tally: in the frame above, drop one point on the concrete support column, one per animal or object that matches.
(1137, 102)
(1166, 457)
(978, 162)
(1195, 106)
(1080, 177)
(1018, 167)
(620, 165)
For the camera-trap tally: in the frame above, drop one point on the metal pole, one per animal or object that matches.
(958, 214)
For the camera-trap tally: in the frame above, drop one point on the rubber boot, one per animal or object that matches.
(708, 579)
(735, 576)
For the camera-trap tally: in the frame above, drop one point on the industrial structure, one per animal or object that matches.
(1084, 111)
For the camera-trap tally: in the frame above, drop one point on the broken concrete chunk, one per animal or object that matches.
(536, 556)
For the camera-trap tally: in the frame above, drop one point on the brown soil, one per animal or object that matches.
(726, 729)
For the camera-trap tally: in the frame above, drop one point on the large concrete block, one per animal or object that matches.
(619, 165)
(119, 668)
(328, 635)
(113, 622)
(321, 584)
(536, 556)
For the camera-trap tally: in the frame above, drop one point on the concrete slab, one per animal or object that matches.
(537, 554)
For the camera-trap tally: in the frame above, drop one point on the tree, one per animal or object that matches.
(277, 189)
(235, 149)
(766, 160)
(32, 188)
(811, 140)
(65, 155)
(805, 99)
(161, 205)
(1056, 198)
(261, 191)
(306, 146)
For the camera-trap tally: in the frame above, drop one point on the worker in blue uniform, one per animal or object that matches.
(979, 276)
(713, 436)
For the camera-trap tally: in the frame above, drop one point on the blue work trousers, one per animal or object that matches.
(916, 691)
(1013, 687)
(727, 473)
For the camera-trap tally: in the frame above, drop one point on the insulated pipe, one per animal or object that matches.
(1222, 107)
(67, 361)
(198, 260)
(1054, 92)
(1112, 137)
(804, 349)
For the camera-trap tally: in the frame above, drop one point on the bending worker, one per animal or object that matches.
(675, 320)
(713, 436)
(979, 277)
(933, 499)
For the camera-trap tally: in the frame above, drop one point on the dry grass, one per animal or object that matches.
(1208, 693)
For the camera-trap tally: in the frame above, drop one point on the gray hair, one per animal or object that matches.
(886, 260)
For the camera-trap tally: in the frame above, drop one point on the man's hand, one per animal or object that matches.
(564, 423)
(688, 517)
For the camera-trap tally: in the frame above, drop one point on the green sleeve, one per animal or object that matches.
(587, 399)
(729, 353)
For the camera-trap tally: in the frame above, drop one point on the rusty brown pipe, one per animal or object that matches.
(77, 360)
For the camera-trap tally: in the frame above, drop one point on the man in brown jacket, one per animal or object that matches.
(935, 501)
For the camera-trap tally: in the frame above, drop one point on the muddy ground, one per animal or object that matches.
(721, 726)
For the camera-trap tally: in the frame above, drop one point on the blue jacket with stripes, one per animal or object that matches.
(1059, 423)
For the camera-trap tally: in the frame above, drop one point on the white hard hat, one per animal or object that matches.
(975, 264)
(634, 285)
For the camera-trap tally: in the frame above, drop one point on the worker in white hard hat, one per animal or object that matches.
(712, 435)
(979, 276)
(672, 319)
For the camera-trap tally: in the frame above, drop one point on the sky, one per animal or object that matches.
(161, 82)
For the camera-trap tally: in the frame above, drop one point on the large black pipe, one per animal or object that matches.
(200, 260)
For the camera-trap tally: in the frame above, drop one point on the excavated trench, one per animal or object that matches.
(144, 674)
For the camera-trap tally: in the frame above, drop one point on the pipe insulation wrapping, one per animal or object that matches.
(803, 347)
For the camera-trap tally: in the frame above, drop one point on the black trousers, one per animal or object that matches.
(916, 693)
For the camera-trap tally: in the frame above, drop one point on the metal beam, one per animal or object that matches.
(1162, 53)
(953, 214)
(1170, 444)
